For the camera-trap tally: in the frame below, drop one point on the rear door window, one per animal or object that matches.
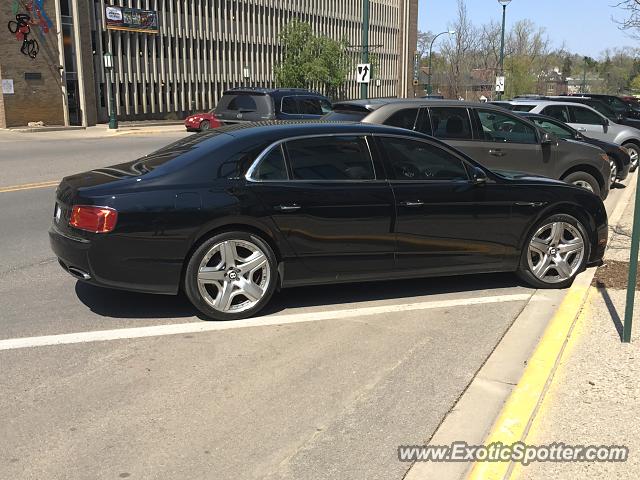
(289, 105)
(309, 106)
(585, 116)
(451, 123)
(559, 112)
(405, 118)
(330, 158)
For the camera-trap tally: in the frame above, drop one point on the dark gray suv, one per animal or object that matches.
(491, 135)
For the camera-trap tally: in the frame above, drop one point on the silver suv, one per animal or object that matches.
(586, 120)
(491, 135)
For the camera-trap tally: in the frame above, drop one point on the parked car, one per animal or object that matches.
(230, 215)
(241, 105)
(493, 136)
(619, 105)
(597, 104)
(588, 121)
(618, 156)
(201, 122)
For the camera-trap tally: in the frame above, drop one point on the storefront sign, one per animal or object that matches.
(131, 19)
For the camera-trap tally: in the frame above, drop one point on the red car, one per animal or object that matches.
(200, 122)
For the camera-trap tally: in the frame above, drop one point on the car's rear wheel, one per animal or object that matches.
(205, 125)
(555, 251)
(231, 276)
(634, 153)
(583, 180)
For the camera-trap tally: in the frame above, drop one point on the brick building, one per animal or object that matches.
(172, 57)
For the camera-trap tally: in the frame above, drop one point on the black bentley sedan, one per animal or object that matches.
(228, 216)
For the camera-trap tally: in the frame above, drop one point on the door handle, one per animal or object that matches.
(581, 129)
(496, 152)
(412, 204)
(288, 208)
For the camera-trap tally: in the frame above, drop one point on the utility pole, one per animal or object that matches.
(364, 87)
(504, 4)
(584, 76)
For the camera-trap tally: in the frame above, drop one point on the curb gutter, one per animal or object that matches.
(523, 404)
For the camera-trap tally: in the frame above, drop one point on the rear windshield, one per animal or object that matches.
(244, 103)
(345, 116)
(522, 108)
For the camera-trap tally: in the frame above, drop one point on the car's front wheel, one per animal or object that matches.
(556, 250)
(231, 276)
(583, 180)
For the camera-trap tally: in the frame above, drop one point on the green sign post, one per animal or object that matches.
(633, 268)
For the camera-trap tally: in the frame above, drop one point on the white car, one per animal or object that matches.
(585, 120)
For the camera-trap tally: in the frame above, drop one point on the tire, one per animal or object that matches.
(634, 152)
(584, 180)
(224, 291)
(205, 125)
(546, 247)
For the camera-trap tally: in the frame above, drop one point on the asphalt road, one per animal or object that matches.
(298, 394)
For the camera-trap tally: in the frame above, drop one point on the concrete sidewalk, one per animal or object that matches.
(594, 398)
(98, 131)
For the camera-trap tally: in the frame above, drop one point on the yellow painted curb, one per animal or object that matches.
(29, 186)
(519, 410)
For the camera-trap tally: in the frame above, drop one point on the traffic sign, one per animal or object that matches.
(364, 73)
(500, 84)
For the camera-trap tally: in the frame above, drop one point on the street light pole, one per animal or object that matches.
(108, 66)
(504, 4)
(364, 87)
(584, 77)
(429, 85)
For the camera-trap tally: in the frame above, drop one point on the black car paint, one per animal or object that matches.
(166, 209)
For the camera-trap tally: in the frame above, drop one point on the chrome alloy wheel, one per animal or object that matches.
(633, 153)
(233, 276)
(583, 184)
(556, 252)
(614, 172)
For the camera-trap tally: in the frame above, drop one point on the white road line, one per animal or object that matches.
(199, 327)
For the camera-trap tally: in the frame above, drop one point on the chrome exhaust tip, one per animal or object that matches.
(80, 274)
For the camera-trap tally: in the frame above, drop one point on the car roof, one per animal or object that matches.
(376, 103)
(276, 129)
(273, 91)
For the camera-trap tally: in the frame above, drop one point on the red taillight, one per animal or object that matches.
(215, 121)
(93, 219)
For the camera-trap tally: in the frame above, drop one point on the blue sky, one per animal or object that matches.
(585, 26)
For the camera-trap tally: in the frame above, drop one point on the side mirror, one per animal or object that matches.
(478, 176)
(549, 138)
(605, 121)
(579, 137)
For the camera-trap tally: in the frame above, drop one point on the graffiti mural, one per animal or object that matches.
(33, 17)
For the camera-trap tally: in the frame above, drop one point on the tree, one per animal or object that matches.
(310, 61)
(632, 19)
(458, 50)
(635, 84)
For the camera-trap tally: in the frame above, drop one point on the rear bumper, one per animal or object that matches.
(97, 263)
